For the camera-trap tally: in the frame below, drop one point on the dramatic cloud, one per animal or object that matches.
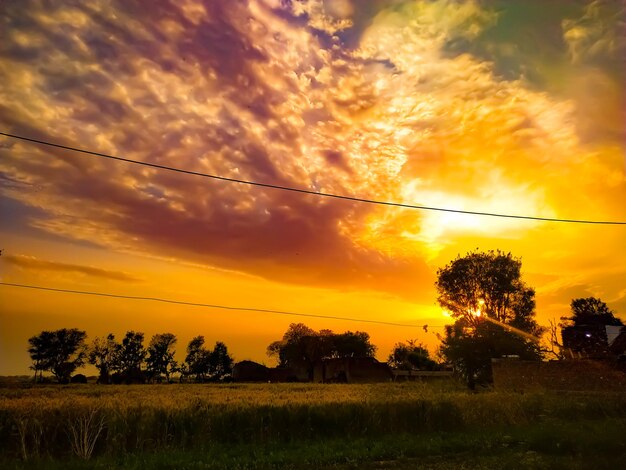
(391, 104)
(30, 262)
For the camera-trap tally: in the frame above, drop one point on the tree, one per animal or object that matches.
(197, 359)
(591, 311)
(160, 356)
(353, 344)
(411, 355)
(60, 352)
(296, 349)
(494, 313)
(301, 347)
(102, 354)
(39, 351)
(129, 357)
(585, 332)
(220, 362)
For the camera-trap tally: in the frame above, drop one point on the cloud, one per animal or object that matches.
(30, 262)
(310, 95)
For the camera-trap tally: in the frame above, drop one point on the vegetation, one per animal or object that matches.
(411, 355)
(60, 352)
(114, 423)
(203, 365)
(301, 346)
(160, 359)
(590, 311)
(102, 354)
(494, 313)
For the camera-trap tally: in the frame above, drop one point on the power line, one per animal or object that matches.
(307, 191)
(223, 307)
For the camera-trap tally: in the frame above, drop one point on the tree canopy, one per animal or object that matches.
(302, 347)
(591, 311)
(160, 356)
(203, 365)
(102, 354)
(60, 352)
(494, 312)
(411, 355)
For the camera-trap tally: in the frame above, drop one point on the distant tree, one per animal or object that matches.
(301, 347)
(590, 311)
(220, 362)
(60, 352)
(353, 344)
(39, 350)
(494, 313)
(102, 354)
(160, 356)
(197, 359)
(411, 355)
(129, 356)
(296, 348)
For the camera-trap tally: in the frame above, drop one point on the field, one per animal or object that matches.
(410, 425)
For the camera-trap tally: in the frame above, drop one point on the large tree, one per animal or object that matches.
(591, 311)
(494, 312)
(60, 352)
(160, 356)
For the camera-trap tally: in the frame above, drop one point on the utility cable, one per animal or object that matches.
(223, 307)
(307, 191)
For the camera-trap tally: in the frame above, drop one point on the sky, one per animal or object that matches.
(490, 106)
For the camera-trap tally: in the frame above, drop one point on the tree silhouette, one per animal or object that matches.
(301, 347)
(60, 352)
(591, 311)
(220, 362)
(411, 355)
(39, 351)
(197, 359)
(102, 354)
(494, 313)
(160, 356)
(129, 357)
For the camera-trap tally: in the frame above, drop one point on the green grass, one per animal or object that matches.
(581, 445)
(296, 425)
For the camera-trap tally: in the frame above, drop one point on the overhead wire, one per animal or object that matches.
(216, 306)
(308, 191)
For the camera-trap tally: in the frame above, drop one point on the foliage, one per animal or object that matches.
(590, 311)
(102, 354)
(60, 352)
(205, 365)
(129, 356)
(494, 312)
(197, 359)
(220, 362)
(39, 351)
(301, 346)
(160, 356)
(411, 355)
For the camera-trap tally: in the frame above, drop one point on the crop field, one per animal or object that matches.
(410, 425)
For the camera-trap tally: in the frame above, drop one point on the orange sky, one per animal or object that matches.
(509, 107)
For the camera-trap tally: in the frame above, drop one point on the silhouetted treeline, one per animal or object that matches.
(63, 351)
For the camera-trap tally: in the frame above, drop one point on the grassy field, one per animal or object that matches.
(410, 425)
